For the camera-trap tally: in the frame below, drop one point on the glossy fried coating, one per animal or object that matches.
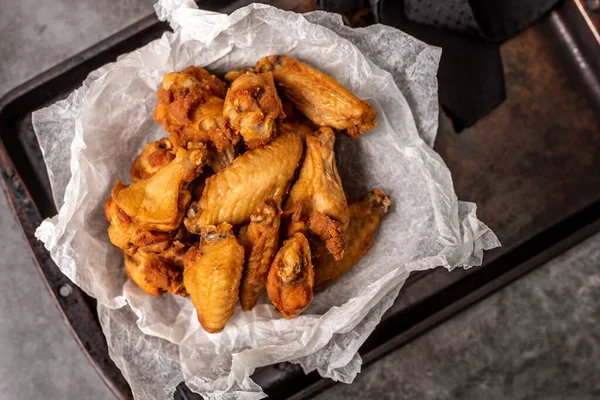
(261, 241)
(235, 192)
(320, 97)
(212, 274)
(155, 273)
(148, 212)
(153, 157)
(252, 107)
(365, 214)
(317, 202)
(232, 75)
(190, 105)
(291, 277)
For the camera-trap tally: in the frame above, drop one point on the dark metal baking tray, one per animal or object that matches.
(531, 166)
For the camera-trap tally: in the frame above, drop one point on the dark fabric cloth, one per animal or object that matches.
(494, 20)
(470, 77)
(499, 20)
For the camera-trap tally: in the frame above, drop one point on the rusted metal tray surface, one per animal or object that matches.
(531, 166)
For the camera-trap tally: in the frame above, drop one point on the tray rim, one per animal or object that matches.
(64, 66)
(8, 169)
(149, 21)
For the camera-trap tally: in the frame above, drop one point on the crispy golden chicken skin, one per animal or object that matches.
(157, 274)
(317, 202)
(321, 98)
(212, 274)
(211, 85)
(232, 75)
(365, 214)
(252, 107)
(149, 211)
(260, 239)
(190, 106)
(235, 192)
(291, 277)
(126, 234)
(153, 157)
(300, 128)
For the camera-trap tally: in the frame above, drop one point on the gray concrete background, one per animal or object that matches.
(538, 338)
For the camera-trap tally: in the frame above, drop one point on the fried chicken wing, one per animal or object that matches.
(149, 211)
(261, 241)
(291, 277)
(212, 274)
(232, 75)
(317, 202)
(320, 97)
(190, 106)
(365, 214)
(252, 107)
(157, 274)
(153, 157)
(235, 192)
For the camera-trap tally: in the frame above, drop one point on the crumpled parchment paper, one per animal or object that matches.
(90, 139)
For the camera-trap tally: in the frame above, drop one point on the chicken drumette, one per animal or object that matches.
(149, 212)
(260, 239)
(317, 202)
(156, 273)
(190, 108)
(291, 277)
(252, 107)
(320, 97)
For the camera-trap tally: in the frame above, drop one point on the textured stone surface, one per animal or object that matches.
(36, 35)
(39, 357)
(536, 339)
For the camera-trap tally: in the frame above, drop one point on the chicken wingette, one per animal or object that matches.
(159, 273)
(212, 274)
(320, 97)
(366, 213)
(235, 192)
(291, 277)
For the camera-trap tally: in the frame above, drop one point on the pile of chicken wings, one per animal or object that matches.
(244, 194)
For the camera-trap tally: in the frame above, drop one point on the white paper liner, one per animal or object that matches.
(90, 139)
